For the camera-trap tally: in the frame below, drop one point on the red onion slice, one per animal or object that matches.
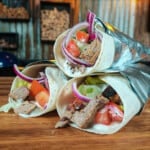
(91, 18)
(24, 77)
(93, 36)
(90, 26)
(66, 54)
(73, 59)
(79, 26)
(45, 80)
(78, 94)
(88, 16)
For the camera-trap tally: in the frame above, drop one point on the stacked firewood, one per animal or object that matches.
(53, 22)
(13, 13)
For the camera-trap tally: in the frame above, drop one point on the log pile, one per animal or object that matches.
(53, 22)
(13, 13)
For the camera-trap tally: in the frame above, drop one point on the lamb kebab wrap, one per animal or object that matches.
(101, 104)
(33, 91)
(83, 49)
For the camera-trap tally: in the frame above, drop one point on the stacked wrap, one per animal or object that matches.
(122, 63)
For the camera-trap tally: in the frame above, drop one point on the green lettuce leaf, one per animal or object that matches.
(90, 91)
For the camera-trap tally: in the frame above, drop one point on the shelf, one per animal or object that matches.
(55, 19)
(14, 10)
(8, 41)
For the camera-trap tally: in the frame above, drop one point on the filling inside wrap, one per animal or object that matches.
(84, 49)
(92, 102)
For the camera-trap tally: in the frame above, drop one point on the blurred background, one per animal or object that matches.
(28, 28)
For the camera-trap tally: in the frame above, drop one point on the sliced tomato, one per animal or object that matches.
(39, 92)
(115, 112)
(103, 117)
(36, 87)
(82, 36)
(42, 98)
(73, 48)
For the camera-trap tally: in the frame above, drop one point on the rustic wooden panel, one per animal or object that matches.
(86, 5)
(30, 45)
(120, 13)
(142, 32)
(129, 16)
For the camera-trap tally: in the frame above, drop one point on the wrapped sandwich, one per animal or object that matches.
(33, 91)
(101, 104)
(84, 49)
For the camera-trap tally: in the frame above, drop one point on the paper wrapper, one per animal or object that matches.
(56, 79)
(132, 60)
(129, 99)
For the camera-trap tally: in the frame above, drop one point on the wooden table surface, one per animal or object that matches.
(39, 133)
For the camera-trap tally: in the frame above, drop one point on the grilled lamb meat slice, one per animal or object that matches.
(92, 51)
(84, 118)
(76, 105)
(25, 108)
(19, 93)
(62, 123)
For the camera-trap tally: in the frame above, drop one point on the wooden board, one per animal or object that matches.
(39, 133)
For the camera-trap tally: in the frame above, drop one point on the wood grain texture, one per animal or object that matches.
(142, 33)
(39, 133)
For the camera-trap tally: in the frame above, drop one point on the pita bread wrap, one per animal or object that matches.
(54, 78)
(130, 102)
(103, 61)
